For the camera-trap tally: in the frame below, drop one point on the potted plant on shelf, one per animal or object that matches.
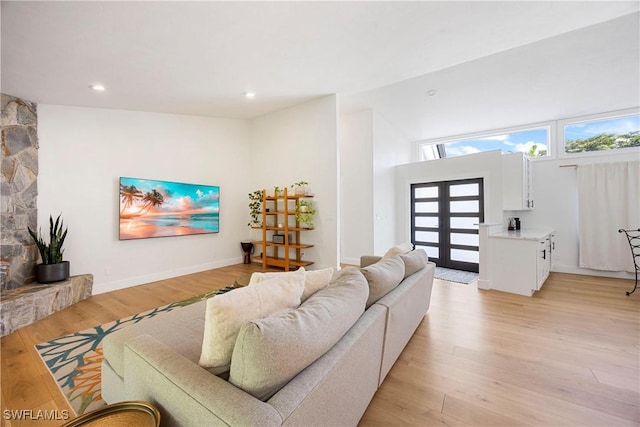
(277, 191)
(299, 188)
(305, 213)
(255, 206)
(53, 268)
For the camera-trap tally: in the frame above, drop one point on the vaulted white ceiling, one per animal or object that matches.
(199, 58)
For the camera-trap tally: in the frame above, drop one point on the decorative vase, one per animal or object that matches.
(248, 249)
(49, 273)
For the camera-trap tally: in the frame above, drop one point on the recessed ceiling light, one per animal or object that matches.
(249, 95)
(98, 87)
(431, 92)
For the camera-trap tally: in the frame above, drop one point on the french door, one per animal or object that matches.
(444, 221)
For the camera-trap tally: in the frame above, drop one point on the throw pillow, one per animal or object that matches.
(226, 313)
(414, 261)
(269, 352)
(402, 248)
(314, 279)
(383, 276)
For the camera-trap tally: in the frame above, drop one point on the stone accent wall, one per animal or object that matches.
(18, 192)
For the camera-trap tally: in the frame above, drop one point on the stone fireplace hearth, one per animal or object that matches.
(28, 304)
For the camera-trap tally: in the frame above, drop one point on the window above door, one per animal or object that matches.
(532, 141)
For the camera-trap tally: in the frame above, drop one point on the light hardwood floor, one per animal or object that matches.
(569, 356)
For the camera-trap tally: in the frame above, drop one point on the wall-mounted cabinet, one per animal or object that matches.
(517, 182)
(282, 233)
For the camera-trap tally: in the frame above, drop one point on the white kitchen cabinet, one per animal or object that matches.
(517, 181)
(520, 261)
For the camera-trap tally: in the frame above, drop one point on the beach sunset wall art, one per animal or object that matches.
(150, 208)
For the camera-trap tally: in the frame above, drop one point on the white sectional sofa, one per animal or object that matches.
(281, 373)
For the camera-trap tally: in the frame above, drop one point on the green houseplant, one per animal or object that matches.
(255, 208)
(299, 188)
(53, 268)
(305, 213)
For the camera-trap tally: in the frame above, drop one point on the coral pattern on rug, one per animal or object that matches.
(75, 360)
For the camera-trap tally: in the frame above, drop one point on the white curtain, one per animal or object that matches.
(608, 199)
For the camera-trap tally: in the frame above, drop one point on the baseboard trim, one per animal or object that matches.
(483, 284)
(570, 269)
(102, 288)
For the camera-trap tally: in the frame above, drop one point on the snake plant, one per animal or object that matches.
(51, 253)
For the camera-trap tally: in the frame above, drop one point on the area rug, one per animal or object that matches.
(75, 360)
(457, 276)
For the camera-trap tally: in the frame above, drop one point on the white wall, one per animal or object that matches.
(486, 165)
(370, 148)
(390, 148)
(83, 152)
(555, 191)
(300, 144)
(356, 186)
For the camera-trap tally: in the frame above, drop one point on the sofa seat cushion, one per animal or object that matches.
(226, 313)
(269, 352)
(383, 276)
(181, 329)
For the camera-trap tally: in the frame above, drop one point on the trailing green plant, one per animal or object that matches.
(305, 213)
(300, 184)
(255, 206)
(52, 252)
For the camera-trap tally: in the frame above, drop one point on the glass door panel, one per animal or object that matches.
(464, 190)
(464, 206)
(426, 192)
(464, 239)
(427, 207)
(468, 223)
(464, 256)
(428, 236)
(427, 221)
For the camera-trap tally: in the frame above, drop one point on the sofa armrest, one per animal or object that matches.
(366, 260)
(185, 393)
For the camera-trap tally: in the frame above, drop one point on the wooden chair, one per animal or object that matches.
(634, 243)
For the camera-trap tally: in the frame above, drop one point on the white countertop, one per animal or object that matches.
(525, 234)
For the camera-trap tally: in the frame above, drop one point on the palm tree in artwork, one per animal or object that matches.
(151, 199)
(128, 195)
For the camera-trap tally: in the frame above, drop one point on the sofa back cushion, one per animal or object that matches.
(269, 352)
(402, 248)
(226, 313)
(414, 261)
(383, 276)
